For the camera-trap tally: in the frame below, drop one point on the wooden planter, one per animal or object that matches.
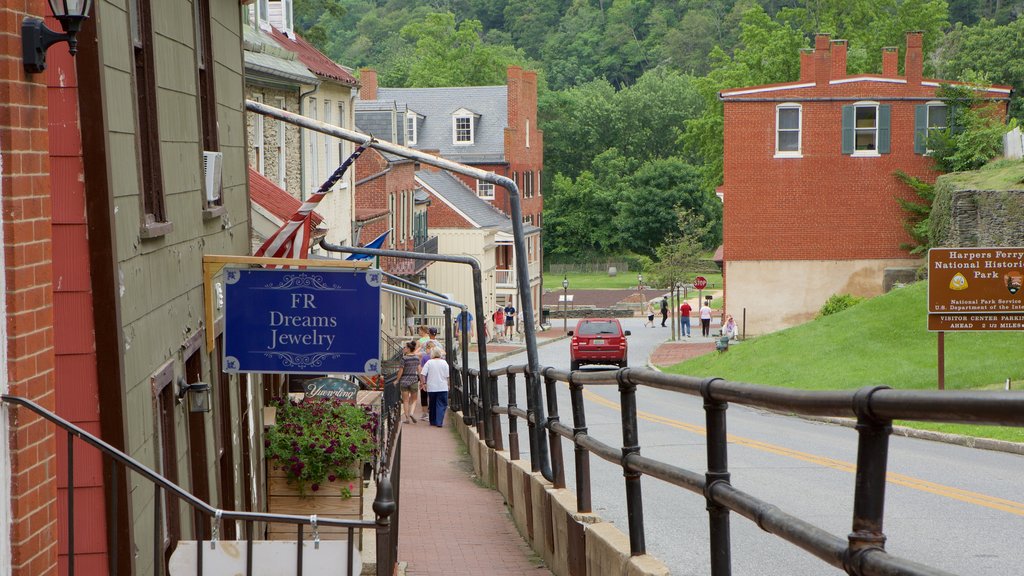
(327, 502)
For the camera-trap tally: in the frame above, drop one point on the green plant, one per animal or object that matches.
(321, 440)
(838, 303)
(918, 220)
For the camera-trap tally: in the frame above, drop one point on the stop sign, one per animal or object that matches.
(700, 282)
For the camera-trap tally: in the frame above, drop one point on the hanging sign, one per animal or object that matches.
(311, 321)
(331, 388)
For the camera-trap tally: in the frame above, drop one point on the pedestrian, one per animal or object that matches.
(729, 329)
(409, 379)
(664, 310)
(425, 354)
(432, 332)
(684, 317)
(463, 324)
(435, 383)
(423, 335)
(510, 320)
(705, 319)
(499, 323)
(650, 315)
(410, 317)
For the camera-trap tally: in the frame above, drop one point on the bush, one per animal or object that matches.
(838, 303)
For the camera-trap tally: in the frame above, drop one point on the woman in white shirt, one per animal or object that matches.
(705, 319)
(435, 382)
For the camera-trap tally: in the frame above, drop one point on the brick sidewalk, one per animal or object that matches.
(449, 525)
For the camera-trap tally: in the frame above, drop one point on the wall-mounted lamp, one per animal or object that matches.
(36, 38)
(198, 395)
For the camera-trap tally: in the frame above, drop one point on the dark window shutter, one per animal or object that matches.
(848, 121)
(920, 129)
(883, 128)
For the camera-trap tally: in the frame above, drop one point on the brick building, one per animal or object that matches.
(809, 191)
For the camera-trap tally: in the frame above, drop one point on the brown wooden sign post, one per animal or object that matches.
(974, 289)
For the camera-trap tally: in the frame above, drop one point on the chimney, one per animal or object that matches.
(838, 59)
(822, 66)
(367, 84)
(807, 64)
(913, 62)
(890, 60)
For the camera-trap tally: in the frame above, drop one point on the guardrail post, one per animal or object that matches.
(479, 381)
(869, 489)
(579, 429)
(531, 422)
(631, 445)
(557, 466)
(496, 439)
(383, 506)
(718, 472)
(513, 422)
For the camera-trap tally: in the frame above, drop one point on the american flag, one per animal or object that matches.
(292, 239)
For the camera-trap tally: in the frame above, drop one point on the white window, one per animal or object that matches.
(787, 130)
(462, 129)
(282, 161)
(327, 149)
(865, 128)
(257, 138)
(341, 124)
(410, 128)
(938, 117)
(484, 189)
(391, 219)
(314, 158)
(263, 14)
(527, 133)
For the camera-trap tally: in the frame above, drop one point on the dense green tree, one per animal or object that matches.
(987, 51)
(576, 217)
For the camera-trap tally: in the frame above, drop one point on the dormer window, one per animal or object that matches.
(410, 128)
(463, 127)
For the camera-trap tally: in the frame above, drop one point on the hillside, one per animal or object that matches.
(881, 341)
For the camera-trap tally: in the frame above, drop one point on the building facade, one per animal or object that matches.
(810, 191)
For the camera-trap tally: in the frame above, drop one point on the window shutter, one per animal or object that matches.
(883, 128)
(848, 121)
(920, 129)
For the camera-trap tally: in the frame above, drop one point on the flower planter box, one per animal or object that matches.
(327, 502)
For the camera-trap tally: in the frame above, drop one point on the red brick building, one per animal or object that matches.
(809, 191)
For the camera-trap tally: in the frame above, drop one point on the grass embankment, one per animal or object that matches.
(881, 341)
(602, 281)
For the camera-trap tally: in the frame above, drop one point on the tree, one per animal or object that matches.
(917, 222)
(974, 135)
(678, 256)
(986, 50)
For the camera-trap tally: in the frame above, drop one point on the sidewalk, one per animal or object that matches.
(449, 524)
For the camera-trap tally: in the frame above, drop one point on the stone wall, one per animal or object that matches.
(978, 217)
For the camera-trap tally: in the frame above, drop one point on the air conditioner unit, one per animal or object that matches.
(213, 168)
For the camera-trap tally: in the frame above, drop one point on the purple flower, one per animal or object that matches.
(315, 487)
(331, 478)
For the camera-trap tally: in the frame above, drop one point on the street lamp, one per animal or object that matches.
(36, 38)
(565, 303)
(640, 281)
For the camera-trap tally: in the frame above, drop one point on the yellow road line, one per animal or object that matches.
(967, 496)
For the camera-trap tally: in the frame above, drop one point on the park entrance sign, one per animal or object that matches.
(313, 321)
(975, 289)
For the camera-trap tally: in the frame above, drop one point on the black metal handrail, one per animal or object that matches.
(385, 504)
(862, 553)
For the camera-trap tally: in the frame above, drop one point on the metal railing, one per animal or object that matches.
(861, 553)
(385, 505)
(425, 245)
(505, 277)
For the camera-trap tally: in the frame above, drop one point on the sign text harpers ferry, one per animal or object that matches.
(975, 289)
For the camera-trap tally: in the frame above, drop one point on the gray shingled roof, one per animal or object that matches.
(459, 195)
(436, 105)
(263, 56)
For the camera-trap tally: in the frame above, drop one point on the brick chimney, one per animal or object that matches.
(807, 64)
(890, 61)
(913, 62)
(838, 59)
(822, 65)
(367, 84)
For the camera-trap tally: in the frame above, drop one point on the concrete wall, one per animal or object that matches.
(571, 543)
(759, 287)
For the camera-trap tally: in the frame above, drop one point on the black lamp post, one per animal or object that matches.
(565, 303)
(36, 38)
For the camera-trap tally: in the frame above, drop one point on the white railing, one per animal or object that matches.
(505, 277)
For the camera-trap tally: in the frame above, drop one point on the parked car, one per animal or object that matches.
(598, 341)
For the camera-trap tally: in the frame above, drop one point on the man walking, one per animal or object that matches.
(664, 310)
(464, 325)
(684, 318)
(435, 382)
(510, 321)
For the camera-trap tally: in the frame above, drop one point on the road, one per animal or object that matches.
(954, 508)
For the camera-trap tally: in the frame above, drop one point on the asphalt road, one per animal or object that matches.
(954, 508)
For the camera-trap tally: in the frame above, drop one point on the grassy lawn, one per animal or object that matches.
(881, 341)
(601, 281)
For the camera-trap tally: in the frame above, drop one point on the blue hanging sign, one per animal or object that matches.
(312, 321)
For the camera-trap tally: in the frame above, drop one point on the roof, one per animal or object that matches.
(435, 107)
(263, 55)
(789, 86)
(317, 62)
(275, 200)
(471, 207)
(383, 118)
(367, 214)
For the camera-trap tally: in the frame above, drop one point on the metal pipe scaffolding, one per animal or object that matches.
(539, 451)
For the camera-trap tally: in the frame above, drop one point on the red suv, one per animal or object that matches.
(598, 341)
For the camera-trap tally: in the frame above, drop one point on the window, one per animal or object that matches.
(401, 225)
(313, 137)
(484, 189)
(410, 128)
(164, 403)
(257, 137)
(327, 150)
(527, 133)
(866, 129)
(341, 124)
(282, 155)
(147, 134)
(787, 130)
(391, 219)
(928, 119)
(204, 57)
(462, 129)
